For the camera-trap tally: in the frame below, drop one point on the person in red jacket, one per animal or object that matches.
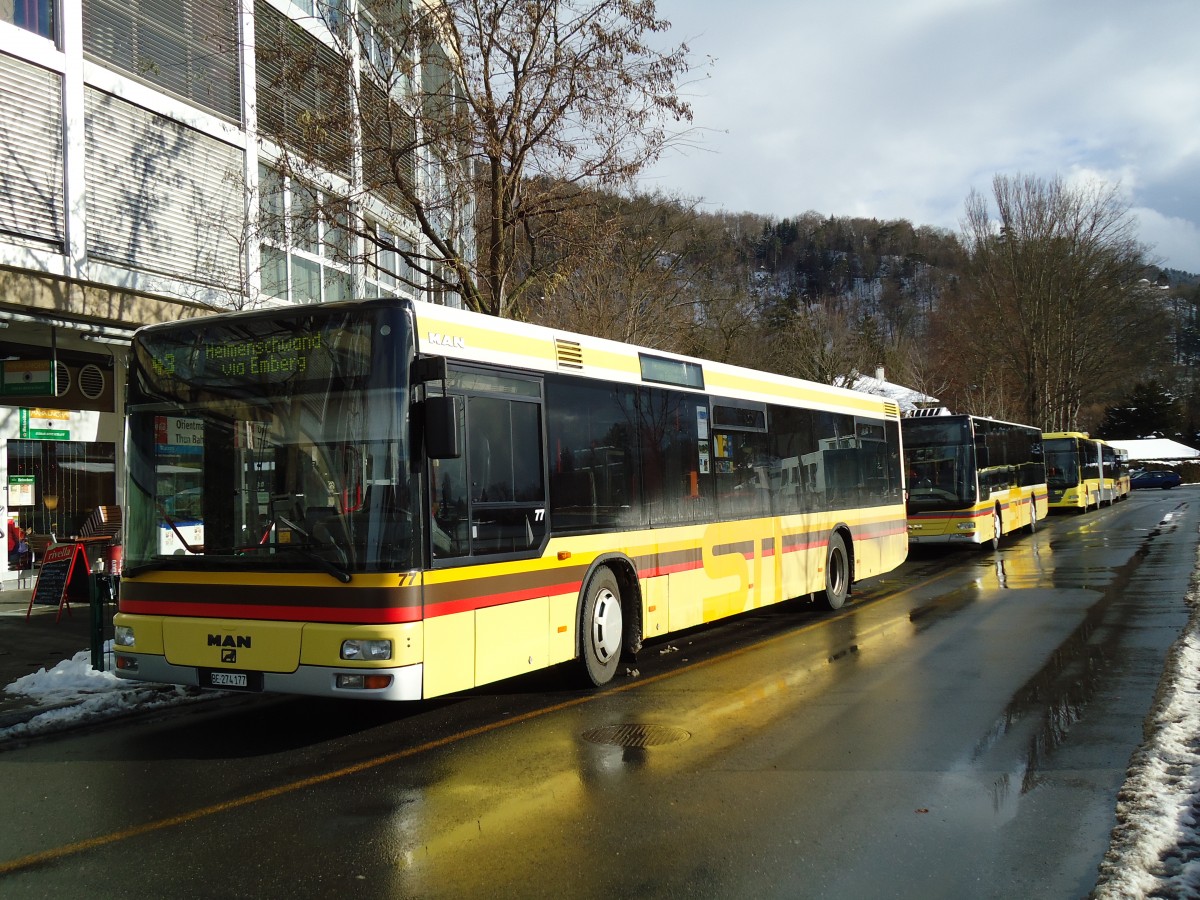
(16, 542)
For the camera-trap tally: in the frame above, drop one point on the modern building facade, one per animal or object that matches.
(140, 156)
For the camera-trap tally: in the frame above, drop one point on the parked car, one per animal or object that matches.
(1156, 478)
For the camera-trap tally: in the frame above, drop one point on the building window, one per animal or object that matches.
(302, 91)
(331, 12)
(186, 47)
(384, 55)
(305, 242)
(66, 481)
(389, 273)
(37, 16)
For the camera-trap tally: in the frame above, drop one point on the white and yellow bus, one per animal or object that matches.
(1116, 471)
(1083, 471)
(398, 500)
(972, 479)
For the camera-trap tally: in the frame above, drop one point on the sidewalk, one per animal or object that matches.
(39, 642)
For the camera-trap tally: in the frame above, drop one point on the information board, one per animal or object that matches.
(62, 577)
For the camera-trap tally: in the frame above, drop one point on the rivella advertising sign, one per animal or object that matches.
(27, 377)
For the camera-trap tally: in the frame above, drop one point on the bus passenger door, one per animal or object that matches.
(491, 500)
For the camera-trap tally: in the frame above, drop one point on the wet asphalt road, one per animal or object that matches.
(960, 730)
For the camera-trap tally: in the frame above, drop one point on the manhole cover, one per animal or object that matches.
(636, 735)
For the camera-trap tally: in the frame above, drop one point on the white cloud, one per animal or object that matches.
(1175, 240)
(899, 108)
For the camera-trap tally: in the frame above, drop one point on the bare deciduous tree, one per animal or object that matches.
(1055, 298)
(626, 272)
(483, 123)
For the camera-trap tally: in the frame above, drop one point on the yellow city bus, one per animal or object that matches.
(971, 479)
(1083, 471)
(1116, 471)
(400, 500)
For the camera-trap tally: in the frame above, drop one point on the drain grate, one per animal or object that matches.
(636, 735)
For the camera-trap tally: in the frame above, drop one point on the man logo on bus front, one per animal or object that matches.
(228, 655)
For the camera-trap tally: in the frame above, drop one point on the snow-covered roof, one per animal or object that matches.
(906, 398)
(1156, 448)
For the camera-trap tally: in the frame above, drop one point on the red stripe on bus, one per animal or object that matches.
(792, 543)
(483, 601)
(301, 614)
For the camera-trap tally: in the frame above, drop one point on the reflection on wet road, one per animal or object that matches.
(960, 729)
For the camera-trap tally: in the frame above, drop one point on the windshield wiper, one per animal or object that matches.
(166, 516)
(135, 571)
(332, 568)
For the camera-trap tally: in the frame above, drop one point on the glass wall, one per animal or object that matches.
(55, 485)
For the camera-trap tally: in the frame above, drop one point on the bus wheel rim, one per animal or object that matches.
(837, 571)
(606, 625)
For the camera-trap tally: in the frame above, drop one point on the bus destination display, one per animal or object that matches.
(223, 356)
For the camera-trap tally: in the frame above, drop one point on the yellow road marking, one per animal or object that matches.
(66, 850)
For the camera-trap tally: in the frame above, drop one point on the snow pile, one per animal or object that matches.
(74, 692)
(1155, 849)
(68, 681)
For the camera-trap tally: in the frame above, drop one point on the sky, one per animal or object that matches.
(898, 109)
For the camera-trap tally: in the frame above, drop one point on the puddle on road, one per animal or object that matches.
(1050, 703)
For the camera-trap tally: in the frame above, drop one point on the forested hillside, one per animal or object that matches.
(1019, 317)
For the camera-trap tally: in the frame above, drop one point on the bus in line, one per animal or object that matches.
(1084, 472)
(398, 500)
(1116, 468)
(971, 480)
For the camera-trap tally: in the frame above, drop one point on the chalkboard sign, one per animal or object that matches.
(62, 577)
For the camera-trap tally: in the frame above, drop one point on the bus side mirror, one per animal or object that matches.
(441, 427)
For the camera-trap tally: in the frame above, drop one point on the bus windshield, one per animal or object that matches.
(941, 464)
(1062, 462)
(275, 442)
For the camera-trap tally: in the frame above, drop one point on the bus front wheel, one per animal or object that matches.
(997, 531)
(601, 627)
(837, 574)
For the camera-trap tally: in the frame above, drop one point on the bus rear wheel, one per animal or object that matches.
(837, 574)
(601, 627)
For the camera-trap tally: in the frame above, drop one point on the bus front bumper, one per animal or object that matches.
(404, 682)
(953, 531)
(964, 538)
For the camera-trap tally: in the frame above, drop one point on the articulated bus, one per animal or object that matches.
(397, 500)
(1084, 472)
(972, 479)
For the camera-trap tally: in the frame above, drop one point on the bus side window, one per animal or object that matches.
(448, 486)
(595, 468)
(507, 489)
(492, 498)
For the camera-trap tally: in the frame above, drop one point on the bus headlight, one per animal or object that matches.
(123, 636)
(367, 650)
